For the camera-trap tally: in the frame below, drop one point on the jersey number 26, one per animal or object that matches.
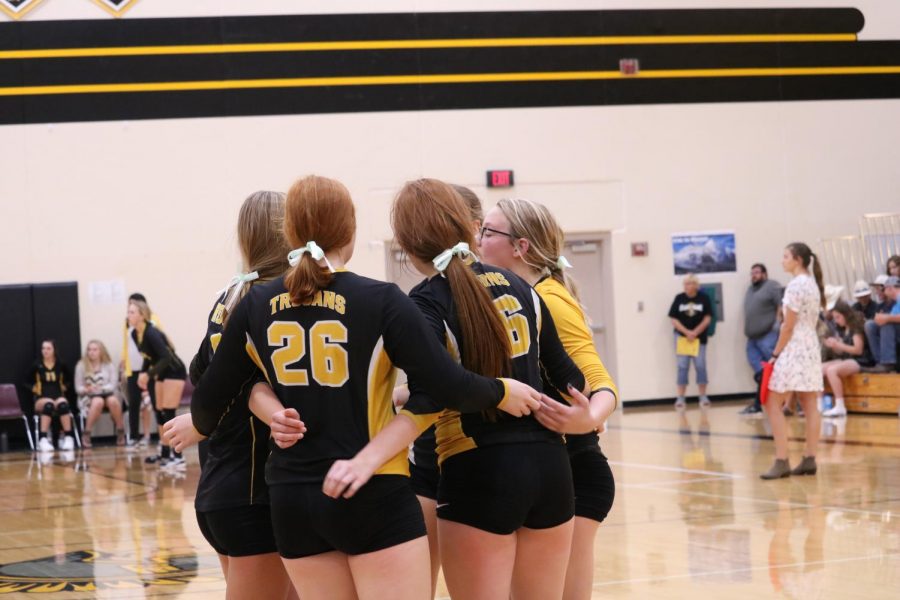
(327, 358)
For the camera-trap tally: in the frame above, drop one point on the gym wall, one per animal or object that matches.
(94, 190)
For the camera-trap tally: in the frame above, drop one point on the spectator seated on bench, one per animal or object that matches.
(883, 331)
(96, 382)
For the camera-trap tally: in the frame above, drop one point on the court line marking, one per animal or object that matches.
(652, 485)
(675, 469)
(765, 567)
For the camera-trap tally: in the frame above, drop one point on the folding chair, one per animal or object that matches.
(11, 409)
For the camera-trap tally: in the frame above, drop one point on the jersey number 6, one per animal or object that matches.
(516, 324)
(326, 357)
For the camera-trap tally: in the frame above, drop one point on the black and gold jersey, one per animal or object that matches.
(49, 382)
(578, 341)
(159, 356)
(534, 342)
(332, 359)
(232, 472)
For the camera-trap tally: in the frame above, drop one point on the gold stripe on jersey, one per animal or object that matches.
(214, 340)
(380, 388)
(254, 356)
(37, 386)
(451, 439)
(423, 421)
(252, 457)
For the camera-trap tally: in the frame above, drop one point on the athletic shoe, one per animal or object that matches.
(45, 445)
(67, 456)
(705, 401)
(837, 411)
(68, 443)
(132, 446)
(750, 409)
(145, 441)
(175, 464)
(680, 403)
(153, 459)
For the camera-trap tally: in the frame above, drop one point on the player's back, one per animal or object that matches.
(326, 359)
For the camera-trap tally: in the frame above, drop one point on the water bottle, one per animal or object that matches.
(827, 402)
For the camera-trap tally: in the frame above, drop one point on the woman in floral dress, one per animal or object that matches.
(798, 360)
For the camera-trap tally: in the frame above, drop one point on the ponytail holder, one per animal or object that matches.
(442, 260)
(314, 251)
(563, 263)
(239, 279)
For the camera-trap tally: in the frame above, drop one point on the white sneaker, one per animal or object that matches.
(837, 411)
(705, 401)
(68, 443)
(680, 403)
(45, 445)
(175, 464)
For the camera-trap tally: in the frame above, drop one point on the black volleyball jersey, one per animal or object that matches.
(423, 452)
(534, 343)
(332, 359)
(156, 349)
(232, 472)
(49, 382)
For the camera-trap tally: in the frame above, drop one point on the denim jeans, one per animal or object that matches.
(760, 350)
(684, 363)
(883, 341)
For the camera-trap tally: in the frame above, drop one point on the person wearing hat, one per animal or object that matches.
(883, 331)
(882, 304)
(864, 303)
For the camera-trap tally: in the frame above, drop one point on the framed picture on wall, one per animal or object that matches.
(704, 252)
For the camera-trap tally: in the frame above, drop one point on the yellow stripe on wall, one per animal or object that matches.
(424, 44)
(242, 84)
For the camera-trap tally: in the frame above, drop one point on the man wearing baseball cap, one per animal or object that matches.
(882, 304)
(864, 303)
(883, 331)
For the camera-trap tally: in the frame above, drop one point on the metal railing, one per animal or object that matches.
(849, 258)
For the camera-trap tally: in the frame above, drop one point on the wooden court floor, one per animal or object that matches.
(691, 517)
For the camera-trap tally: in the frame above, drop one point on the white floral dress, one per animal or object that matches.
(799, 366)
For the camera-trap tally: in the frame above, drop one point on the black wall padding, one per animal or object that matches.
(16, 337)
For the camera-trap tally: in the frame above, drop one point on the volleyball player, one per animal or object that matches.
(232, 500)
(326, 340)
(49, 380)
(524, 237)
(423, 464)
(505, 503)
(140, 403)
(162, 369)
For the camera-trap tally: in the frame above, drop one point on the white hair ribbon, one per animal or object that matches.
(442, 260)
(563, 263)
(812, 260)
(314, 251)
(239, 279)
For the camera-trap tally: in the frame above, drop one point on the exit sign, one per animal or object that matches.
(500, 178)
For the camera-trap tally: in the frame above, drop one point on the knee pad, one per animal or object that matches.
(161, 417)
(63, 408)
(48, 409)
(170, 414)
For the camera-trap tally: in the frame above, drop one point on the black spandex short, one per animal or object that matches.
(504, 487)
(595, 488)
(424, 481)
(242, 531)
(383, 513)
(174, 371)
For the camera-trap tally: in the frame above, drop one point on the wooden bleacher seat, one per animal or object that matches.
(868, 393)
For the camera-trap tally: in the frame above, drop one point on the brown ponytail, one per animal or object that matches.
(808, 259)
(429, 217)
(317, 209)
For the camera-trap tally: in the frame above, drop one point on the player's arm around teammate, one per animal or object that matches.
(326, 340)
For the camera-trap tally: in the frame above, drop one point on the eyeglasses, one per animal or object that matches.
(483, 229)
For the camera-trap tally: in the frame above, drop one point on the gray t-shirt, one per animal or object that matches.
(761, 306)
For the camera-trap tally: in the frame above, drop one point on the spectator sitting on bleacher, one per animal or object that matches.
(893, 266)
(864, 305)
(882, 331)
(882, 304)
(96, 382)
(848, 349)
(49, 380)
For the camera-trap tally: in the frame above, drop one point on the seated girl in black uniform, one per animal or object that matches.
(505, 501)
(50, 380)
(162, 369)
(232, 500)
(327, 340)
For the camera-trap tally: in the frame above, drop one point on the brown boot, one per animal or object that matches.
(807, 466)
(781, 468)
